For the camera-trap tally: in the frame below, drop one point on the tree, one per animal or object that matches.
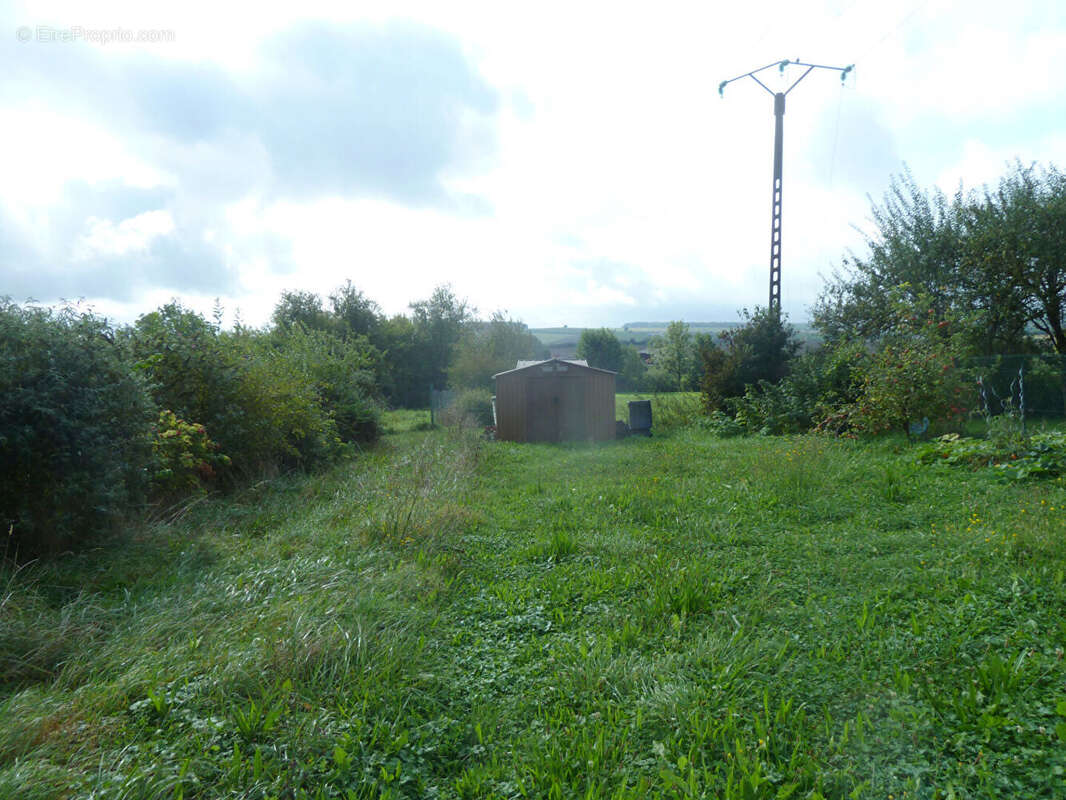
(356, 313)
(249, 389)
(631, 378)
(439, 325)
(1001, 254)
(674, 354)
(758, 350)
(190, 372)
(1017, 242)
(913, 374)
(404, 380)
(303, 308)
(601, 349)
(918, 241)
(490, 347)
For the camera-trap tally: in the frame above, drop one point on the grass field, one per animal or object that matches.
(677, 616)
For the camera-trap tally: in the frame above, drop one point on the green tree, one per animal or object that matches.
(439, 325)
(246, 387)
(601, 349)
(1017, 244)
(758, 350)
(189, 371)
(342, 372)
(918, 241)
(631, 378)
(355, 313)
(1001, 254)
(486, 348)
(674, 354)
(303, 308)
(914, 374)
(403, 377)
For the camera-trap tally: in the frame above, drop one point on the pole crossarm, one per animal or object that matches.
(779, 114)
(781, 66)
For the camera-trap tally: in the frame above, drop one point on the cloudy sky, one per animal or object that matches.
(568, 163)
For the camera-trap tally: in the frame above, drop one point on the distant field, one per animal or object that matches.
(641, 333)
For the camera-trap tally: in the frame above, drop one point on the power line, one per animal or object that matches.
(836, 136)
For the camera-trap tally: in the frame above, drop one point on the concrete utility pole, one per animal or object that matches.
(779, 129)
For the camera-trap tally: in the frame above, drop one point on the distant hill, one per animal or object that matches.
(563, 341)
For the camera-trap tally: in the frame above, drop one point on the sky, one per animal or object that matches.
(566, 163)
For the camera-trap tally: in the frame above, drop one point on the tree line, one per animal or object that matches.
(98, 420)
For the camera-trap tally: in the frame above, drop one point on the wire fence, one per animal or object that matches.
(1027, 385)
(440, 400)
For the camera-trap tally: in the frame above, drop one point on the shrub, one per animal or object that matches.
(773, 409)
(759, 350)
(255, 395)
(74, 428)
(276, 413)
(675, 410)
(819, 383)
(904, 383)
(342, 372)
(186, 459)
(721, 425)
(914, 374)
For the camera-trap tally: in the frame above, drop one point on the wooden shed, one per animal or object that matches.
(555, 401)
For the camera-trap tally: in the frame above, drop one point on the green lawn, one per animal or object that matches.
(678, 616)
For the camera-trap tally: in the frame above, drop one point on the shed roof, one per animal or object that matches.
(523, 365)
(579, 361)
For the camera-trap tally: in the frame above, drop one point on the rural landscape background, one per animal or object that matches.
(247, 562)
(260, 265)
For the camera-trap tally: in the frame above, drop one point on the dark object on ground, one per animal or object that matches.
(621, 429)
(640, 417)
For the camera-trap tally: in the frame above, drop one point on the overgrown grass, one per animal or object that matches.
(670, 410)
(405, 420)
(679, 616)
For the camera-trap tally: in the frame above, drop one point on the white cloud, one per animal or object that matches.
(980, 164)
(44, 150)
(106, 238)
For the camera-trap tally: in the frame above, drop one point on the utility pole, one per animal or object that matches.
(779, 130)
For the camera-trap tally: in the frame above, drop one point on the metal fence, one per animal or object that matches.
(1029, 385)
(439, 400)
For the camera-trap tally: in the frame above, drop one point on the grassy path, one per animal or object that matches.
(678, 616)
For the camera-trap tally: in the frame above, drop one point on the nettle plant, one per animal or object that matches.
(914, 374)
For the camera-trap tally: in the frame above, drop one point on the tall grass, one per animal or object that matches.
(666, 617)
(671, 411)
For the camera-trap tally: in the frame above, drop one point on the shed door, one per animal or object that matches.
(572, 426)
(555, 409)
(542, 410)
